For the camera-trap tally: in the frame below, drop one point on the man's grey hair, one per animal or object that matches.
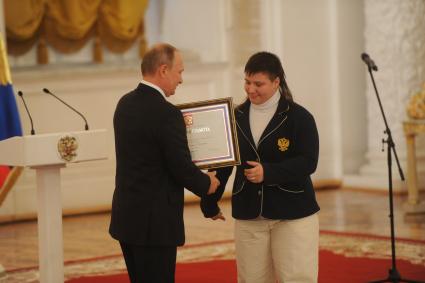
(159, 54)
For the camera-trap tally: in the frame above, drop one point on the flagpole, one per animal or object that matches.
(2, 21)
(2, 34)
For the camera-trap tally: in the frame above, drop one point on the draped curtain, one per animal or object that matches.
(67, 25)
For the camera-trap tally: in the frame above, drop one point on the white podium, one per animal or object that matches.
(47, 154)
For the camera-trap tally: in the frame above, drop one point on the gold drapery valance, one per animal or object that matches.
(23, 21)
(119, 23)
(67, 25)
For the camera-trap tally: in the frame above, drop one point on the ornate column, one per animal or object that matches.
(395, 39)
(271, 26)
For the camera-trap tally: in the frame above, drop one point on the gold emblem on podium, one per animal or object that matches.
(67, 148)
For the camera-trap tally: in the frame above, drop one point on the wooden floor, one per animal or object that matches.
(87, 237)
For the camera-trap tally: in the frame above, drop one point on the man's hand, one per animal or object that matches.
(219, 216)
(214, 182)
(256, 173)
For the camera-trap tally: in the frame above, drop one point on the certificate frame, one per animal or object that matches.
(211, 133)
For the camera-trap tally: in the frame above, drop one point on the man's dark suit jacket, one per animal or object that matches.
(153, 167)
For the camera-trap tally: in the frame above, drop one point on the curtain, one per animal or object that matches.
(67, 25)
(23, 21)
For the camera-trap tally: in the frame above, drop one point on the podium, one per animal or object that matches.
(47, 154)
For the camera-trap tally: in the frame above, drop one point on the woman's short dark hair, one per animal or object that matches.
(269, 63)
(160, 54)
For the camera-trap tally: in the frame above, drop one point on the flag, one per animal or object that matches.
(10, 124)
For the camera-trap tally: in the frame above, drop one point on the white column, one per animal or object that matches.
(50, 241)
(395, 39)
(335, 85)
(271, 26)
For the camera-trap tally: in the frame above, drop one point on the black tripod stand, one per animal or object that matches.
(393, 274)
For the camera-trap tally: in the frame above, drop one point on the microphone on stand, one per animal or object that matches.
(369, 62)
(72, 108)
(28, 112)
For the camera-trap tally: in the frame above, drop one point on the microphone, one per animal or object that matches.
(369, 62)
(28, 112)
(82, 116)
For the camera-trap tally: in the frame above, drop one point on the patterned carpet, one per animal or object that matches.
(349, 245)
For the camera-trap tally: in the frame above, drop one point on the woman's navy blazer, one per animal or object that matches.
(288, 151)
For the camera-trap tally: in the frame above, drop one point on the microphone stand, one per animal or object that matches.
(21, 95)
(86, 127)
(393, 274)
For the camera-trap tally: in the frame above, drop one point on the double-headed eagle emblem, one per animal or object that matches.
(283, 144)
(67, 148)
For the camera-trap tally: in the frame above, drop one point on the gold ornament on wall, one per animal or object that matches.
(416, 105)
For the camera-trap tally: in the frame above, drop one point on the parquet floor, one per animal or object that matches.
(87, 236)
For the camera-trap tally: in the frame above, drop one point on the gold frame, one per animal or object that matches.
(230, 124)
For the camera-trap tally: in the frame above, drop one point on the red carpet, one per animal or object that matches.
(223, 271)
(333, 269)
(344, 258)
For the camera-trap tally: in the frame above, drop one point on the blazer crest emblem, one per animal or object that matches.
(283, 144)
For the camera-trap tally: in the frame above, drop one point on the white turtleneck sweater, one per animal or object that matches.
(261, 114)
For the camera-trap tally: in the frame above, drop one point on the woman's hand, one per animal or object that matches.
(256, 173)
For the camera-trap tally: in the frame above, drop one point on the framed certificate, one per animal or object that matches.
(211, 133)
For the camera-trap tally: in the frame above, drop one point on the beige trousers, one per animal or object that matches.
(284, 251)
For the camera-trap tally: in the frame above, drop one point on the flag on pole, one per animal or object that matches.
(10, 124)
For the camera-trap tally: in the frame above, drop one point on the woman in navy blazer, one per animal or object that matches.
(273, 201)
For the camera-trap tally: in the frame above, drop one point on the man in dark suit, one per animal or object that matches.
(153, 168)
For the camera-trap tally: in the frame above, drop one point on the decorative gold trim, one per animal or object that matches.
(416, 106)
(414, 127)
